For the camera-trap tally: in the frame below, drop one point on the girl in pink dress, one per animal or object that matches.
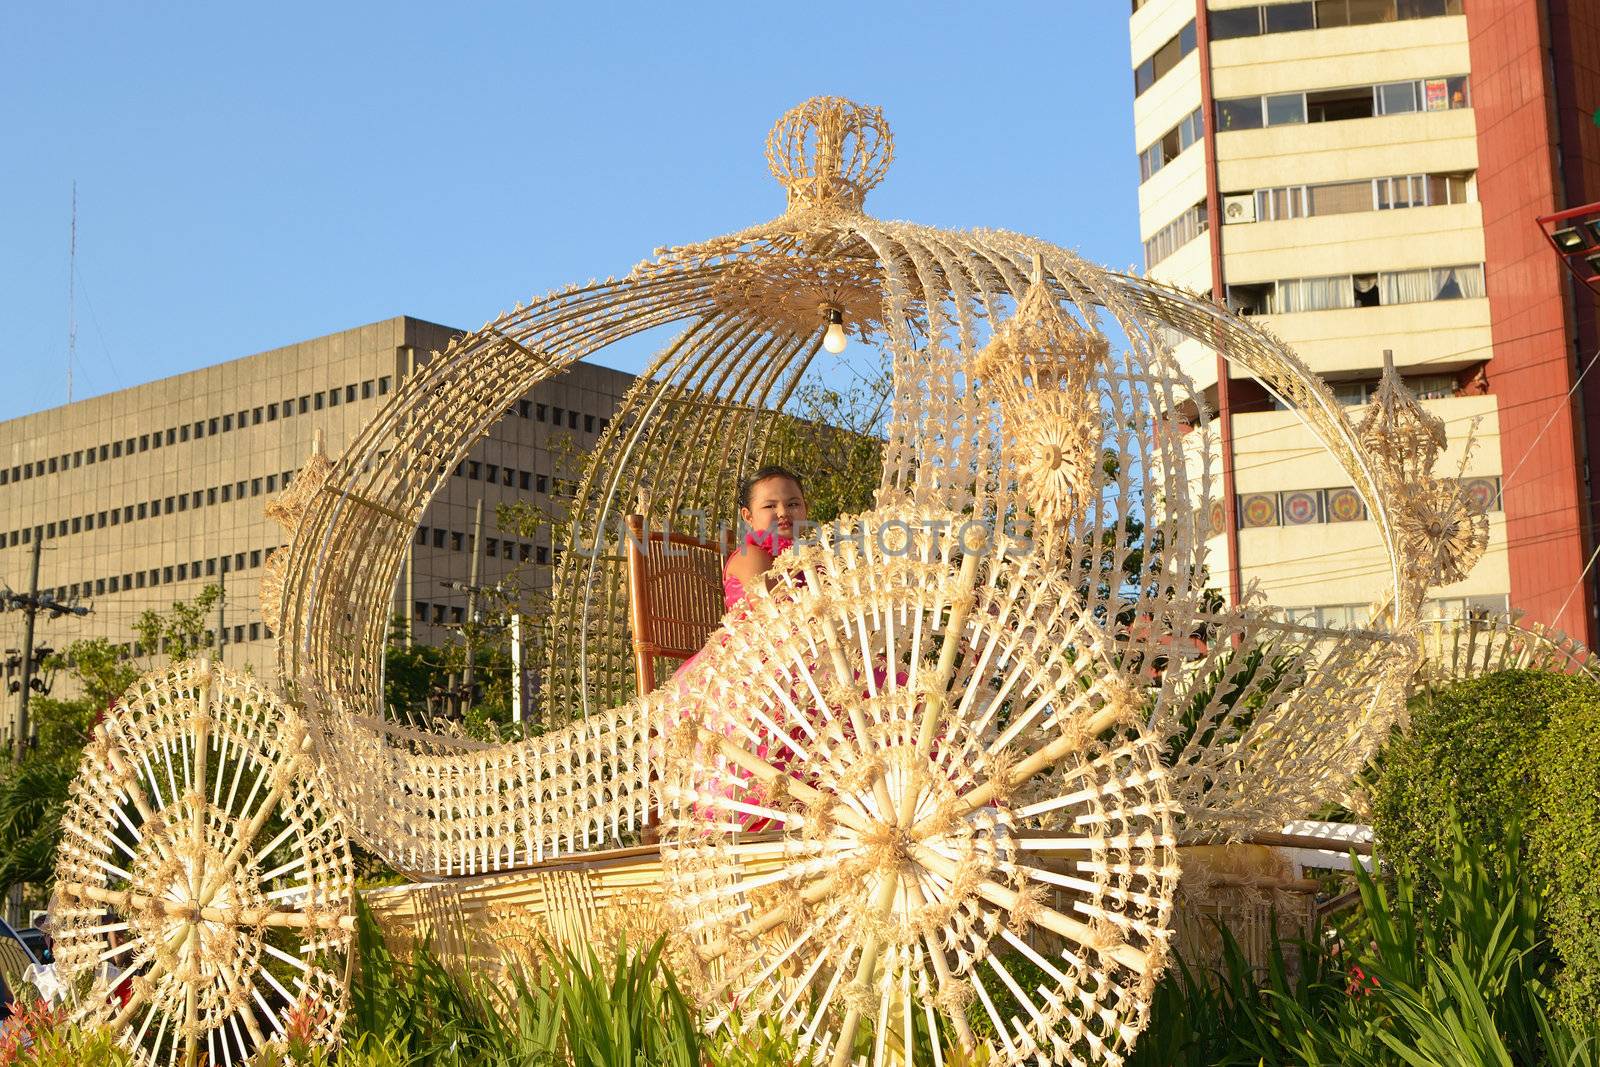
(772, 505)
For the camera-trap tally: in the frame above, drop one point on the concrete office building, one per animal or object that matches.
(144, 496)
(1366, 175)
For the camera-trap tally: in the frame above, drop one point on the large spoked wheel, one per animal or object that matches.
(205, 892)
(909, 811)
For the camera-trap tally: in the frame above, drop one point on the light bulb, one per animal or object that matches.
(835, 340)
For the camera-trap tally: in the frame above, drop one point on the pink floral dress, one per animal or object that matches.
(733, 597)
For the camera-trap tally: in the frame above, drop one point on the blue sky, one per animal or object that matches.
(250, 177)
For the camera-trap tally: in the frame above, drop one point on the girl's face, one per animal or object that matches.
(775, 504)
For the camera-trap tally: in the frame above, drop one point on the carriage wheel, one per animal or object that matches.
(910, 811)
(204, 890)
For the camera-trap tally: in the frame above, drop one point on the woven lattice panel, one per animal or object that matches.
(1457, 649)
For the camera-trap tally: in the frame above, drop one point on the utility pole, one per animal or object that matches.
(516, 666)
(470, 680)
(30, 604)
(222, 600)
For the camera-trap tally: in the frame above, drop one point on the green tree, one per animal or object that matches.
(180, 632)
(1511, 748)
(833, 439)
(33, 791)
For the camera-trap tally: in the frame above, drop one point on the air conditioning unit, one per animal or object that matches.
(1240, 208)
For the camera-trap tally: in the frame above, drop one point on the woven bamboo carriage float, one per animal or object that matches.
(929, 790)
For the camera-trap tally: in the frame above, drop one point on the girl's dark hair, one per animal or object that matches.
(748, 486)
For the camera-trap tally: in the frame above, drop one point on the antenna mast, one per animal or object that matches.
(72, 292)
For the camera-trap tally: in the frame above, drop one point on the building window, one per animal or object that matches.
(1376, 194)
(1170, 144)
(1289, 18)
(572, 420)
(1234, 23)
(473, 470)
(1435, 283)
(506, 476)
(333, 397)
(419, 611)
(350, 393)
(272, 411)
(1175, 234)
(524, 409)
(1287, 109)
(1166, 57)
(366, 389)
(438, 538)
(316, 402)
(539, 412)
(383, 385)
(525, 480)
(1379, 289)
(1242, 114)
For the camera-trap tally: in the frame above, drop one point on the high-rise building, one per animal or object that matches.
(143, 497)
(1366, 175)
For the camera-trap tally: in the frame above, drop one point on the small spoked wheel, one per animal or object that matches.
(909, 813)
(205, 891)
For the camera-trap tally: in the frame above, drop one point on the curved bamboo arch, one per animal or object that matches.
(692, 424)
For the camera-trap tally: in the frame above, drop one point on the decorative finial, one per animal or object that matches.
(1041, 367)
(1405, 436)
(829, 151)
(1443, 532)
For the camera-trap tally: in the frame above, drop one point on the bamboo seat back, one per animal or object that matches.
(674, 596)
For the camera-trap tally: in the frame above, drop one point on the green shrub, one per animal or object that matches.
(1516, 747)
(1470, 747)
(1564, 848)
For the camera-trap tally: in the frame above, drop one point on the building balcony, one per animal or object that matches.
(1441, 335)
(1338, 56)
(1306, 153)
(1275, 451)
(1357, 242)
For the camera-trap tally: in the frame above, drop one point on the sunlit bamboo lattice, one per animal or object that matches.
(954, 748)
